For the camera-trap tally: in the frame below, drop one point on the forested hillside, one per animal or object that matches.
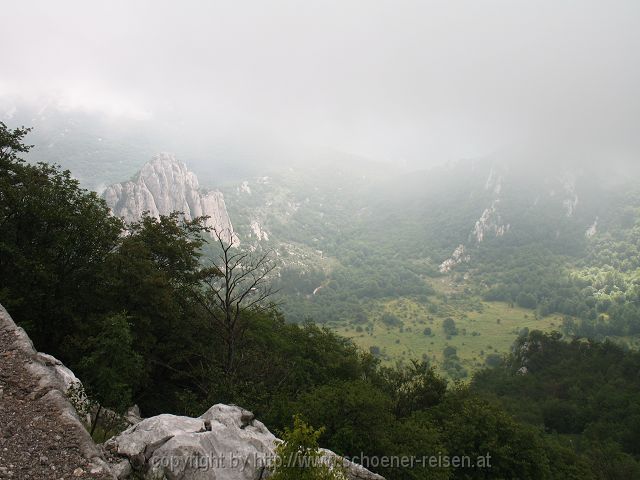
(583, 391)
(133, 310)
(371, 253)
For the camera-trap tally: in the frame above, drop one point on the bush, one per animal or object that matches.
(449, 352)
(449, 326)
(526, 300)
(493, 360)
(298, 457)
(391, 320)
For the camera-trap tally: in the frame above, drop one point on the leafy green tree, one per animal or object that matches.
(413, 387)
(298, 457)
(449, 326)
(585, 389)
(565, 462)
(475, 427)
(356, 414)
(449, 352)
(390, 320)
(154, 275)
(493, 360)
(55, 238)
(526, 300)
(111, 367)
(606, 460)
(415, 437)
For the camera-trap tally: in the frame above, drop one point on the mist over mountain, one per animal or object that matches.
(420, 83)
(407, 232)
(101, 149)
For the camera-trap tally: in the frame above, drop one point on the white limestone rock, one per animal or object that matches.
(64, 375)
(132, 415)
(244, 188)
(494, 182)
(490, 222)
(259, 232)
(154, 431)
(570, 202)
(225, 443)
(165, 185)
(458, 256)
(51, 383)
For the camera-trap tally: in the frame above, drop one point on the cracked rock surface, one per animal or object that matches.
(225, 443)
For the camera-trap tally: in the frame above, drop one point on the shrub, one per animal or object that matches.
(449, 326)
(449, 351)
(298, 457)
(493, 360)
(391, 320)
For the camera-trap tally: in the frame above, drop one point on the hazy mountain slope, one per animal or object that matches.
(529, 238)
(97, 149)
(102, 148)
(351, 234)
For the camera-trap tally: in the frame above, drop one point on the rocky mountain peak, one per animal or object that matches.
(164, 185)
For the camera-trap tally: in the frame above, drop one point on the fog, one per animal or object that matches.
(415, 83)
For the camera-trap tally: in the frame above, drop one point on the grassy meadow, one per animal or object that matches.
(405, 329)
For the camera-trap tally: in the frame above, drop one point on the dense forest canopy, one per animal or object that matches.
(120, 305)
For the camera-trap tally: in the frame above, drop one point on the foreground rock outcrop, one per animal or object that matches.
(225, 443)
(165, 185)
(41, 436)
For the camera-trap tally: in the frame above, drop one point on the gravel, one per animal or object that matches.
(35, 443)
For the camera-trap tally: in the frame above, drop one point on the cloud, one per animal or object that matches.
(422, 81)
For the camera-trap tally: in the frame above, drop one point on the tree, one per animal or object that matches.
(357, 416)
(237, 289)
(390, 320)
(155, 275)
(11, 144)
(493, 360)
(298, 457)
(111, 367)
(416, 436)
(526, 300)
(414, 387)
(476, 427)
(55, 238)
(449, 351)
(449, 326)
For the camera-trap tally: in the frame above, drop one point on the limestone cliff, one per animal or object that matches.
(458, 256)
(489, 223)
(165, 185)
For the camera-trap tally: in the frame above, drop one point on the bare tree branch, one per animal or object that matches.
(239, 290)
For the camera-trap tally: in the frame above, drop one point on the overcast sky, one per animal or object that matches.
(419, 81)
